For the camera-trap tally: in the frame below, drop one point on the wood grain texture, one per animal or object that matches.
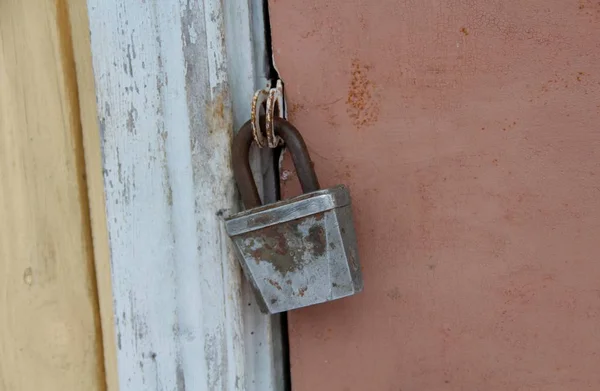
(49, 321)
(82, 61)
(165, 112)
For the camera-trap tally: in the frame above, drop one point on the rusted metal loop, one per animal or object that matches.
(258, 100)
(294, 143)
(274, 107)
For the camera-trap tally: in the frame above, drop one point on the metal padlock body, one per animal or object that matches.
(301, 251)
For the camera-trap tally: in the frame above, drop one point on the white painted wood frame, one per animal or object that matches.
(173, 81)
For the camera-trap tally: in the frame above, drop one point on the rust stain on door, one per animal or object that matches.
(362, 108)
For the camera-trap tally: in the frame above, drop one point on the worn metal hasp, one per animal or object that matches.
(296, 252)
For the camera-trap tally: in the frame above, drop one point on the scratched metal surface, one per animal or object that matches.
(301, 251)
(289, 209)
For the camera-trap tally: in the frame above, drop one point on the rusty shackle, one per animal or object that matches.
(293, 142)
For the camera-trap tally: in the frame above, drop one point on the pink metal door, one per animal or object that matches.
(469, 134)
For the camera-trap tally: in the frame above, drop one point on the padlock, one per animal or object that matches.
(297, 252)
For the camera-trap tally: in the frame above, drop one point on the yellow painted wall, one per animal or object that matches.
(56, 330)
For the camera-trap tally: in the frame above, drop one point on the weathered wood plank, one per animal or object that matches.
(164, 102)
(49, 322)
(82, 57)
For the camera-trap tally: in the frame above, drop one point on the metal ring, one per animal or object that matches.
(275, 99)
(258, 99)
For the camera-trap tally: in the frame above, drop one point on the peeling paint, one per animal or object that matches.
(180, 376)
(166, 131)
(131, 117)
